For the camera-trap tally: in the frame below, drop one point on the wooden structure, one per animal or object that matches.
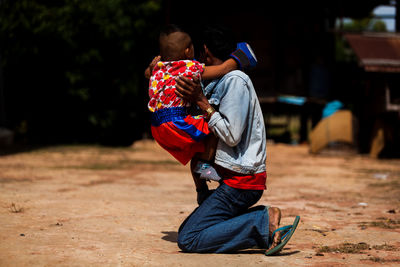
(379, 56)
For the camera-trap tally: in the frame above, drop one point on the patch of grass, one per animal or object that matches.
(121, 164)
(373, 171)
(14, 208)
(381, 260)
(63, 149)
(322, 232)
(348, 248)
(385, 224)
(392, 185)
(97, 166)
(99, 182)
(12, 180)
(385, 247)
(389, 224)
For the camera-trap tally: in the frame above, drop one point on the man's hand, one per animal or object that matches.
(189, 90)
(192, 92)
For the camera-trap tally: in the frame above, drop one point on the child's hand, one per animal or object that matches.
(154, 62)
(147, 72)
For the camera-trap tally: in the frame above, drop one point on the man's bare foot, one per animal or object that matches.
(274, 221)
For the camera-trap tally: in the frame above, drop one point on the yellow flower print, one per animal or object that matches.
(154, 84)
(166, 76)
(159, 105)
(189, 64)
(160, 64)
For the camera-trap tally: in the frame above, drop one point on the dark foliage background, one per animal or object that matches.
(73, 69)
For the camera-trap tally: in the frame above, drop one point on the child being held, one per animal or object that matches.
(184, 136)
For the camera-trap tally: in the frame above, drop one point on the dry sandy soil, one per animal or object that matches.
(97, 206)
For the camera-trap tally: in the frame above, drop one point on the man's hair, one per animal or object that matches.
(173, 42)
(219, 40)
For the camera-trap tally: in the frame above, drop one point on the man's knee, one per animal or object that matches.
(184, 243)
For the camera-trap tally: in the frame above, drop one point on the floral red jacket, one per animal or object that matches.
(162, 82)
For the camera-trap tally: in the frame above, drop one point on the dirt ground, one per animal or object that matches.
(98, 206)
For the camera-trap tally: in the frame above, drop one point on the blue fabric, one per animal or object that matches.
(167, 114)
(249, 53)
(224, 223)
(189, 129)
(331, 108)
(294, 100)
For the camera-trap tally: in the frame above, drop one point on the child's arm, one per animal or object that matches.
(217, 71)
(243, 58)
(149, 69)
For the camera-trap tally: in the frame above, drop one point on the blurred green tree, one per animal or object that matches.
(365, 24)
(73, 69)
(379, 26)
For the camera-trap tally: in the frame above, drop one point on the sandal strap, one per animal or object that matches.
(284, 229)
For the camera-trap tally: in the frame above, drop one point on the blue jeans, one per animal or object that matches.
(224, 223)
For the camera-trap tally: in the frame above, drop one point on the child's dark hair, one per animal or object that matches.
(172, 46)
(171, 28)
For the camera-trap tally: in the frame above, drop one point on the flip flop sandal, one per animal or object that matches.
(287, 232)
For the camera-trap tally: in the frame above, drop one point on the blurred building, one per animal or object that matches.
(378, 56)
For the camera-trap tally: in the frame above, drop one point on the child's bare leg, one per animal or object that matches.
(199, 183)
(210, 148)
(204, 160)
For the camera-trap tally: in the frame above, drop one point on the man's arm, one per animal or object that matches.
(231, 120)
(191, 91)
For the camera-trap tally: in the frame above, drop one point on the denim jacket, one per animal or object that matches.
(238, 123)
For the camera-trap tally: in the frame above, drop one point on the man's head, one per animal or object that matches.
(175, 44)
(215, 44)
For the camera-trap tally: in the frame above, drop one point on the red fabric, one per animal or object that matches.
(256, 181)
(199, 122)
(178, 142)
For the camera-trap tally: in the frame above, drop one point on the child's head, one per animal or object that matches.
(175, 44)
